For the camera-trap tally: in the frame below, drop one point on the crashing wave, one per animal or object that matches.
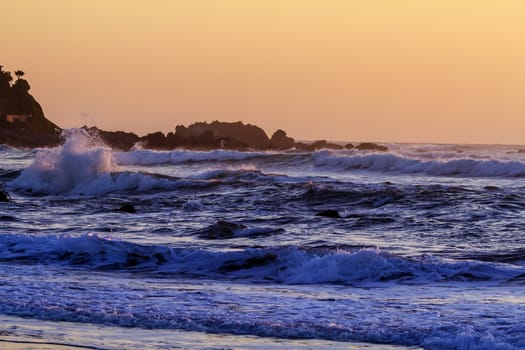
(289, 265)
(393, 163)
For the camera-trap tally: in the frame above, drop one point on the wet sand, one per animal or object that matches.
(21, 333)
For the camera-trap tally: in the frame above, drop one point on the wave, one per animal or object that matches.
(82, 167)
(246, 175)
(434, 164)
(393, 163)
(288, 265)
(5, 148)
(373, 196)
(73, 167)
(150, 157)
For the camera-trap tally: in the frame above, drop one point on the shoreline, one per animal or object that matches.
(27, 333)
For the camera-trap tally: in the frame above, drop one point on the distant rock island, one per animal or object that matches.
(23, 124)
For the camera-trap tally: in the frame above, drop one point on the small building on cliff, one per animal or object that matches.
(21, 118)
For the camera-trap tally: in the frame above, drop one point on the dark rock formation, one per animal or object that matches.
(302, 146)
(4, 196)
(370, 146)
(119, 140)
(226, 135)
(221, 230)
(281, 141)
(329, 214)
(204, 140)
(317, 145)
(155, 140)
(330, 145)
(171, 140)
(128, 208)
(250, 263)
(349, 146)
(23, 124)
(22, 121)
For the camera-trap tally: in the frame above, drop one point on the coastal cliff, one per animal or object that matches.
(22, 120)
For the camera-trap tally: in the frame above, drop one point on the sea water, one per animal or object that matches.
(226, 248)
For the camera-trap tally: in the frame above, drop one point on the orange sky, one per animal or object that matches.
(407, 70)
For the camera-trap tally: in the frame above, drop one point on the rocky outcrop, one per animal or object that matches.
(222, 134)
(155, 140)
(370, 146)
(23, 124)
(331, 213)
(317, 145)
(249, 263)
(119, 140)
(4, 196)
(128, 208)
(221, 230)
(281, 141)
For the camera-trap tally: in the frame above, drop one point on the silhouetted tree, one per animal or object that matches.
(20, 87)
(19, 74)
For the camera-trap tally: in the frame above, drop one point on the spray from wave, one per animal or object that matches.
(68, 168)
(81, 166)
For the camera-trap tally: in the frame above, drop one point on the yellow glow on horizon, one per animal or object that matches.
(379, 70)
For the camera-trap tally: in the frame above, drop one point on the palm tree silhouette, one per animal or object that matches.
(19, 74)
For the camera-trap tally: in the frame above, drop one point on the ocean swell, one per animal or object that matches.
(393, 163)
(150, 157)
(288, 265)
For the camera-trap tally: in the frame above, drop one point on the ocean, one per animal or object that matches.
(226, 249)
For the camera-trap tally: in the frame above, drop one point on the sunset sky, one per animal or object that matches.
(402, 71)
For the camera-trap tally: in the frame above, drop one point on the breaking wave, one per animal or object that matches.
(83, 167)
(393, 163)
(149, 157)
(288, 265)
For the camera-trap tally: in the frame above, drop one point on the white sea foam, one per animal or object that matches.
(395, 163)
(150, 157)
(73, 167)
(442, 162)
(426, 311)
(287, 265)
(374, 265)
(82, 166)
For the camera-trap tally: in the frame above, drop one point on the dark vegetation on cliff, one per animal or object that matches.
(23, 124)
